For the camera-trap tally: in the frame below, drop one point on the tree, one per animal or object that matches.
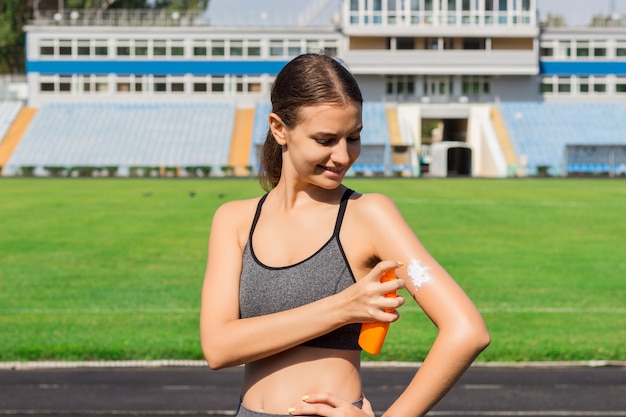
(13, 15)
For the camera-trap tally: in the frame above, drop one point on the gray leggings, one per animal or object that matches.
(244, 412)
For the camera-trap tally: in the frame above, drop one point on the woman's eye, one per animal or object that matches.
(324, 141)
(354, 139)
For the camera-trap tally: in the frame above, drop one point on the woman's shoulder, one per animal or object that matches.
(236, 211)
(367, 202)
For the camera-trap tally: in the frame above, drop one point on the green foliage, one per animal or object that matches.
(13, 15)
(112, 268)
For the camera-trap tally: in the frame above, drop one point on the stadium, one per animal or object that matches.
(452, 88)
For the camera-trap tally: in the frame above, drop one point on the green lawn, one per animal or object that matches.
(112, 268)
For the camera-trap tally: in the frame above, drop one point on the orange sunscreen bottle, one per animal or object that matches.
(373, 334)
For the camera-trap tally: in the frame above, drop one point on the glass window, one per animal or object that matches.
(46, 47)
(199, 87)
(102, 85)
(254, 87)
(141, 48)
(254, 48)
(102, 48)
(217, 48)
(293, 48)
(83, 48)
(199, 50)
(236, 48)
(565, 87)
(159, 48)
(65, 84)
(547, 87)
(276, 47)
(547, 52)
(599, 88)
(583, 85)
(160, 85)
(177, 48)
(599, 52)
(620, 87)
(123, 48)
(65, 47)
(123, 87)
(405, 43)
(217, 86)
(178, 87)
(46, 87)
(138, 83)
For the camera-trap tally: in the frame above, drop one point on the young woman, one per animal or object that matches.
(293, 274)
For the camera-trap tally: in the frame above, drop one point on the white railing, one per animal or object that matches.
(118, 17)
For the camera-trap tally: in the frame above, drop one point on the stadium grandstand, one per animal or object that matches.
(451, 88)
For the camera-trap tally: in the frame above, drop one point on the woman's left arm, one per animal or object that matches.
(461, 331)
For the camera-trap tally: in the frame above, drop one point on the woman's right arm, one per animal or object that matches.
(228, 340)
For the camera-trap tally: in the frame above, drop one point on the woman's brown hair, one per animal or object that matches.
(307, 80)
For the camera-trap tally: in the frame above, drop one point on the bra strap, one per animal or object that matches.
(257, 214)
(342, 210)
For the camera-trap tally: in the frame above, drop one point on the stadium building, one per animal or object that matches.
(451, 88)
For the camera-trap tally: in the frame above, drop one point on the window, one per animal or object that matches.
(474, 43)
(276, 47)
(582, 49)
(159, 48)
(217, 85)
(46, 87)
(293, 48)
(599, 88)
(199, 48)
(583, 85)
(405, 43)
(178, 87)
(83, 48)
(199, 87)
(160, 84)
(65, 84)
(565, 86)
(547, 52)
(236, 48)
(254, 87)
(599, 52)
(620, 51)
(254, 48)
(46, 48)
(217, 48)
(123, 47)
(141, 48)
(620, 86)
(65, 47)
(123, 86)
(177, 48)
(139, 83)
(101, 48)
(101, 85)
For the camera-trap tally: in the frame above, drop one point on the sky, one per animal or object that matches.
(579, 12)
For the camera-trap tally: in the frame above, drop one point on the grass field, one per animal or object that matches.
(111, 269)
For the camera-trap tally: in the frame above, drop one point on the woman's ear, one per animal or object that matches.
(279, 131)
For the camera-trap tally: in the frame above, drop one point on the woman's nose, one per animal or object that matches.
(340, 153)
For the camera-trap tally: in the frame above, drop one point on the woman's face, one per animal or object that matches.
(324, 144)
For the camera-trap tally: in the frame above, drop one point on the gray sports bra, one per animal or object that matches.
(265, 290)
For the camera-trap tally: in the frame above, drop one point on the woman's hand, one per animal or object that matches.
(329, 405)
(366, 301)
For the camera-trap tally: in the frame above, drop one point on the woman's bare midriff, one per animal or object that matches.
(274, 384)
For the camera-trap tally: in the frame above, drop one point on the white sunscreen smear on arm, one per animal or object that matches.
(418, 273)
